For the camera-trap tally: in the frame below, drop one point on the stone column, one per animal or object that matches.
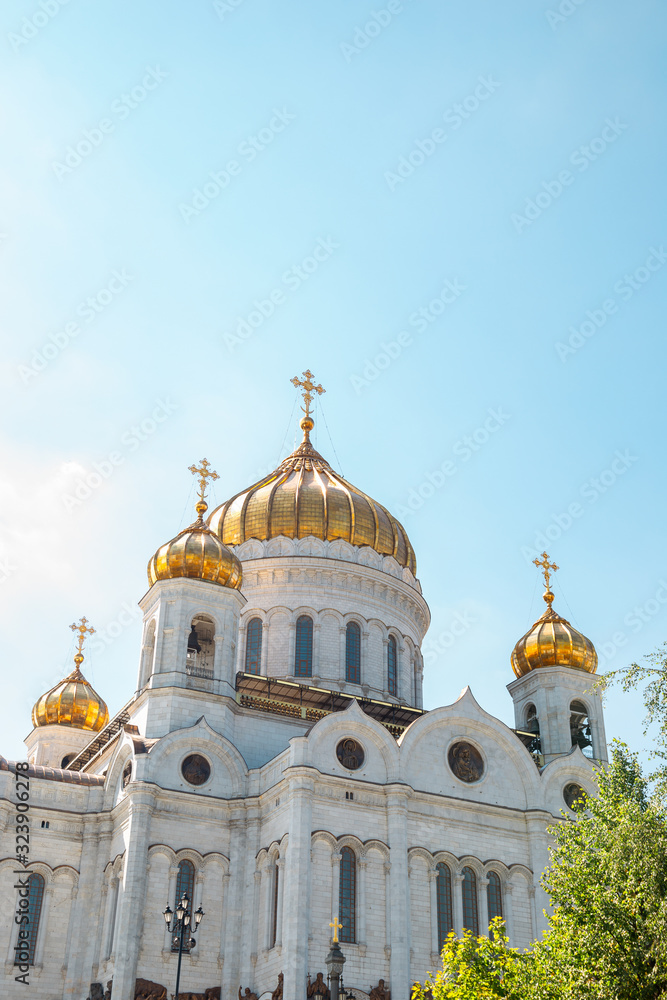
(361, 904)
(483, 904)
(264, 654)
(387, 910)
(433, 897)
(235, 903)
(457, 903)
(397, 826)
(267, 873)
(335, 885)
(84, 913)
(508, 912)
(297, 882)
(129, 919)
(257, 884)
(280, 875)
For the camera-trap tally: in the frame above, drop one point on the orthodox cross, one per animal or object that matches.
(204, 472)
(546, 567)
(336, 925)
(309, 388)
(82, 629)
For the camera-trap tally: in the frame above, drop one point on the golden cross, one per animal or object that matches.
(81, 628)
(336, 925)
(204, 473)
(546, 566)
(309, 388)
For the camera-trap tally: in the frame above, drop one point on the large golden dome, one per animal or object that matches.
(304, 496)
(553, 642)
(72, 702)
(197, 552)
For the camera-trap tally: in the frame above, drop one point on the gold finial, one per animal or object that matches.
(309, 388)
(204, 472)
(82, 629)
(336, 925)
(546, 568)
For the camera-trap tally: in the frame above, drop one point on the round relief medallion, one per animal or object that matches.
(196, 769)
(465, 761)
(350, 754)
(572, 793)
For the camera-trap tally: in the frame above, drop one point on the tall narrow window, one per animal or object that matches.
(253, 646)
(25, 955)
(303, 649)
(392, 672)
(494, 896)
(469, 888)
(580, 728)
(274, 913)
(353, 653)
(201, 647)
(185, 883)
(347, 896)
(443, 888)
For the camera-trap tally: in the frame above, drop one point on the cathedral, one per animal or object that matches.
(274, 782)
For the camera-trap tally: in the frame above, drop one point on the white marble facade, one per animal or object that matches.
(266, 831)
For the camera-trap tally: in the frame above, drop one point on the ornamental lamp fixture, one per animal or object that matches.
(198, 914)
(182, 908)
(168, 916)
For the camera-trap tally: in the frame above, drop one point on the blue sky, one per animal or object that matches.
(451, 212)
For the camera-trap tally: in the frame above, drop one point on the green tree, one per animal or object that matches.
(607, 938)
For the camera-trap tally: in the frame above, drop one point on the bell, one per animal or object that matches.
(193, 641)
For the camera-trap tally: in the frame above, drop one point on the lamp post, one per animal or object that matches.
(182, 920)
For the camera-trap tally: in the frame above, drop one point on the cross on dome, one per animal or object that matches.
(205, 472)
(308, 387)
(546, 567)
(82, 629)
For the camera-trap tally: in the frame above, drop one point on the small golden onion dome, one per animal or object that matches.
(72, 702)
(196, 553)
(304, 496)
(553, 642)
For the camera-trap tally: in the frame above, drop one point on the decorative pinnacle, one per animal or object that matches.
(546, 567)
(204, 472)
(82, 629)
(308, 387)
(336, 925)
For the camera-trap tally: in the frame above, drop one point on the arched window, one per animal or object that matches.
(353, 653)
(443, 887)
(469, 889)
(185, 883)
(533, 741)
(253, 646)
(201, 647)
(303, 649)
(347, 895)
(580, 728)
(392, 671)
(494, 896)
(25, 949)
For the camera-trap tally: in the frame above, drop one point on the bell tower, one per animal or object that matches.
(556, 706)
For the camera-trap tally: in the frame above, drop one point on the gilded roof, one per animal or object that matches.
(72, 702)
(551, 642)
(197, 553)
(304, 496)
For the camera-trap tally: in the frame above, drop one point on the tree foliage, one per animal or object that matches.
(607, 936)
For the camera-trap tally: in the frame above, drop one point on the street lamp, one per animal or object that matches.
(184, 919)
